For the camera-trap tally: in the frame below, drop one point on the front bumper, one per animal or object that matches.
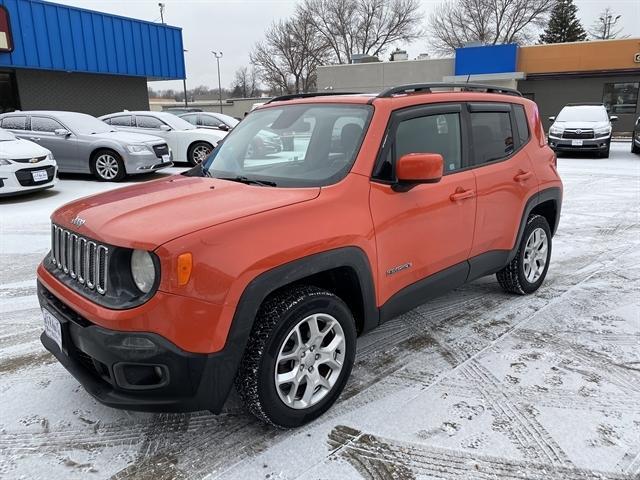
(137, 370)
(143, 162)
(20, 180)
(591, 144)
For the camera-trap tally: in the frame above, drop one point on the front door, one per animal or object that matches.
(427, 230)
(64, 147)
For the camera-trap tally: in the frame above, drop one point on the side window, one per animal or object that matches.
(120, 121)
(191, 118)
(209, 121)
(521, 122)
(42, 124)
(432, 134)
(148, 122)
(492, 136)
(14, 123)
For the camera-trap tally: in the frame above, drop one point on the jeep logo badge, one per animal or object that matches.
(78, 222)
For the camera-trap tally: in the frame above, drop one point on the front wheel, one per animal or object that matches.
(634, 147)
(107, 166)
(199, 152)
(299, 356)
(526, 272)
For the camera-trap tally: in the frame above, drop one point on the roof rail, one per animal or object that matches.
(465, 87)
(585, 104)
(294, 96)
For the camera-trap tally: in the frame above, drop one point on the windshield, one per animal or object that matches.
(6, 136)
(83, 124)
(230, 121)
(174, 121)
(292, 146)
(583, 113)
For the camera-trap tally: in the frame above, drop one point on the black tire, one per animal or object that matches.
(512, 277)
(193, 155)
(605, 153)
(276, 318)
(99, 171)
(634, 149)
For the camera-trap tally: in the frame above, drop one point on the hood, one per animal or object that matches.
(582, 124)
(21, 149)
(152, 213)
(129, 137)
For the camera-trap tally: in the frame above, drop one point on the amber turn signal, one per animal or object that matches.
(185, 264)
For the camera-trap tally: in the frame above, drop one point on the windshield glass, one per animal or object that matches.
(292, 146)
(175, 122)
(583, 113)
(83, 124)
(232, 122)
(6, 136)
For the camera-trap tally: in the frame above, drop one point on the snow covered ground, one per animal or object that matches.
(474, 385)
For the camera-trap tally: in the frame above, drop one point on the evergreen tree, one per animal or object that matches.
(564, 25)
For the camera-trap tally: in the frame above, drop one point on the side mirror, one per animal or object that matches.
(613, 118)
(224, 127)
(552, 119)
(62, 132)
(165, 128)
(416, 168)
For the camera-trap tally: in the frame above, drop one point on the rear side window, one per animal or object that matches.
(492, 136)
(43, 124)
(192, 119)
(432, 134)
(521, 122)
(148, 122)
(121, 121)
(14, 123)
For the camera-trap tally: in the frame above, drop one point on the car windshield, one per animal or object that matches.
(292, 146)
(230, 121)
(6, 136)
(84, 124)
(174, 121)
(583, 113)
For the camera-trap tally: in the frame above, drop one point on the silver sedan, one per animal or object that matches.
(83, 144)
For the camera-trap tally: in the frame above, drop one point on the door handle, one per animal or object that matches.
(522, 176)
(34, 139)
(462, 195)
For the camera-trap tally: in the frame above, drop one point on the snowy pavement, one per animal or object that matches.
(477, 384)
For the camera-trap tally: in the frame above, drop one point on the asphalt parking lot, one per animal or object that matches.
(477, 384)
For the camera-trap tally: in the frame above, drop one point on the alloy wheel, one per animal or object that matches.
(107, 166)
(200, 153)
(535, 255)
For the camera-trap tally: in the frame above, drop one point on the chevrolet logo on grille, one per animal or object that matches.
(78, 222)
(33, 160)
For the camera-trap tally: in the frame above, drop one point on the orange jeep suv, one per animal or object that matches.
(260, 267)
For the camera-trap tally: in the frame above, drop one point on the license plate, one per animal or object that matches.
(39, 175)
(52, 327)
(576, 143)
(166, 158)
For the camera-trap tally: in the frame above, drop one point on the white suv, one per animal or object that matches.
(584, 127)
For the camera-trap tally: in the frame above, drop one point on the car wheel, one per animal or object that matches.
(198, 152)
(634, 148)
(298, 358)
(605, 153)
(107, 166)
(526, 272)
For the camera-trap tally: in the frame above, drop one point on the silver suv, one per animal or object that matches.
(83, 144)
(584, 127)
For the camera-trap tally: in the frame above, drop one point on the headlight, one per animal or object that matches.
(137, 148)
(50, 156)
(556, 130)
(143, 270)
(603, 131)
(5, 161)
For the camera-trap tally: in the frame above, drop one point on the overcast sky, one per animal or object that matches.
(233, 26)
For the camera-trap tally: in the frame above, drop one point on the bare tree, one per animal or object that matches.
(245, 83)
(455, 24)
(604, 28)
(287, 59)
(363, 26)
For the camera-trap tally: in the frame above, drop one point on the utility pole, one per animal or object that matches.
(161, 5)
(218, 56)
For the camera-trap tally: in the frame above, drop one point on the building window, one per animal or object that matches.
(621, 97)
(492, 136)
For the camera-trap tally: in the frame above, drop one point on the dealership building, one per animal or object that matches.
(553, 75)
(64, 58)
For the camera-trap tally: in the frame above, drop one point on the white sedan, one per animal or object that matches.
(188, 143)
(24, 166)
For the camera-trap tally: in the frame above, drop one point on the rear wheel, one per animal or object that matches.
(198, 152)
(107, 166)
(528, 269)
(299, 356)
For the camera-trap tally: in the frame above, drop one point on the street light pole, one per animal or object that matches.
(184, 81)
(218, 56)
(161, 5)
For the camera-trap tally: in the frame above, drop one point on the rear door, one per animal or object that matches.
(504, 174)
(16, 124)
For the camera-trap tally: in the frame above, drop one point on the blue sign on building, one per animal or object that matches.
(486, 59)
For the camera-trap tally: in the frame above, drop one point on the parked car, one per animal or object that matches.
(180, 110)
(582, 128)
(285, 262)
(635, 138)
(188, 143)
(24, 166)
(83, 144)
(265, 143)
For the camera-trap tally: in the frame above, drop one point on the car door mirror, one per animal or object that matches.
(416, 168)
(223, 127)
(165, 128)
(62, 132)
(552, 119)
(613, 118)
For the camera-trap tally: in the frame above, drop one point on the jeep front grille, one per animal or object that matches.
(84, 260)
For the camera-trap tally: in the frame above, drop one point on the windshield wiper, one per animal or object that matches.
(250, 181)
